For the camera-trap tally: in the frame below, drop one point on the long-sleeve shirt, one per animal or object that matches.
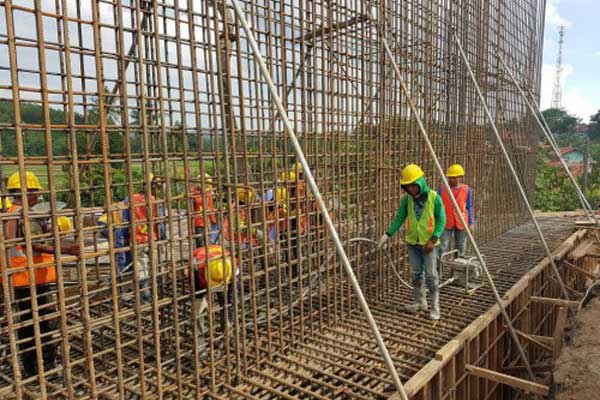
(469, 205)
(402, 213)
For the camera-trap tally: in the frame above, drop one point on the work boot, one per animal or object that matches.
(420, 301)
(434, 314)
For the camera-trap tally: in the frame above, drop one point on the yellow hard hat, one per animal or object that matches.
(410, 174)
(280, 195)
(64, 224)
(207, 180)
(219, 271)
(155, 178)
(14, 182)
(245, 195)
(455, 170)
(298, 167)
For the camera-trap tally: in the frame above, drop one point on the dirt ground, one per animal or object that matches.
(577, 370)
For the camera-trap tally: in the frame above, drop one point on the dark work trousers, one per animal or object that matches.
(26, 334)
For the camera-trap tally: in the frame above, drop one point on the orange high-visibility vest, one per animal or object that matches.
(461, 194)
(141, 217)
(203, 201)
(18, 258)
(240, 222)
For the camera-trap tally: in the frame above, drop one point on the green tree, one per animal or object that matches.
(560, 121)
(553, 190)
(594, 127)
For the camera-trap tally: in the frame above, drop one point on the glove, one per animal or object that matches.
(429, 246)
(384, 238)
(202, 307)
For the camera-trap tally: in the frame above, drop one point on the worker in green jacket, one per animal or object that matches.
(423, 211)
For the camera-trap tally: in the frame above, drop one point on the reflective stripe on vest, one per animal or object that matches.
(18, 258)
(141, 218)
(461, 194)
(419, 232)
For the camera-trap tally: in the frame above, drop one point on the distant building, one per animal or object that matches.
(574, 160)
(581, 128)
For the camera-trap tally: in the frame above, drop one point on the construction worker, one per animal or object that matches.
(296, 213)
(43, 268)
(276, 210)
(242, 233)
(158, 190)
(214, 268)
(423, 211)
(203, 201)
(464, 199)
(123, 235)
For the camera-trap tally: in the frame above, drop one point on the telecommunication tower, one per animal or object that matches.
(557, 89)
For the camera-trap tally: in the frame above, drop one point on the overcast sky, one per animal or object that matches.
(581, 55)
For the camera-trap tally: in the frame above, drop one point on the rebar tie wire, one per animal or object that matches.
(440, 170)
(315, 190)
(539, 117)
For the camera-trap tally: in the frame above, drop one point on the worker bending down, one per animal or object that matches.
(124, 234)
(214, 268)
(423, 211)
(464, 199)
(43, 268)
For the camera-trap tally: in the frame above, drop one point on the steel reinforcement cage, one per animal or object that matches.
(137, 115)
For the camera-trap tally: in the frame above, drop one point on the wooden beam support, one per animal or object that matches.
(581, 270)
(584, 248)
(547, 340)
(554, 302)
(561, 322)
(530, 339)
(517, 383)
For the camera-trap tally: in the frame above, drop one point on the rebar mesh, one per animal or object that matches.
(116, 105)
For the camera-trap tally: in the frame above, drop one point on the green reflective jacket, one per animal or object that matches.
(439, 220)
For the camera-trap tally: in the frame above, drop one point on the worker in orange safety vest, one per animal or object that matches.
(464, 198)
(242, 232)
(203, 203)
(42, 265)
(214, 268)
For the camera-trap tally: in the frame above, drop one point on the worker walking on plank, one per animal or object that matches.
(123, 238)
(204, 202)
(43, 269)
(424, 213)
(214, 269)
(464, 198)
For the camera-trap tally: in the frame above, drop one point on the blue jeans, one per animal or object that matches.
(460, 240)
(424, 266)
